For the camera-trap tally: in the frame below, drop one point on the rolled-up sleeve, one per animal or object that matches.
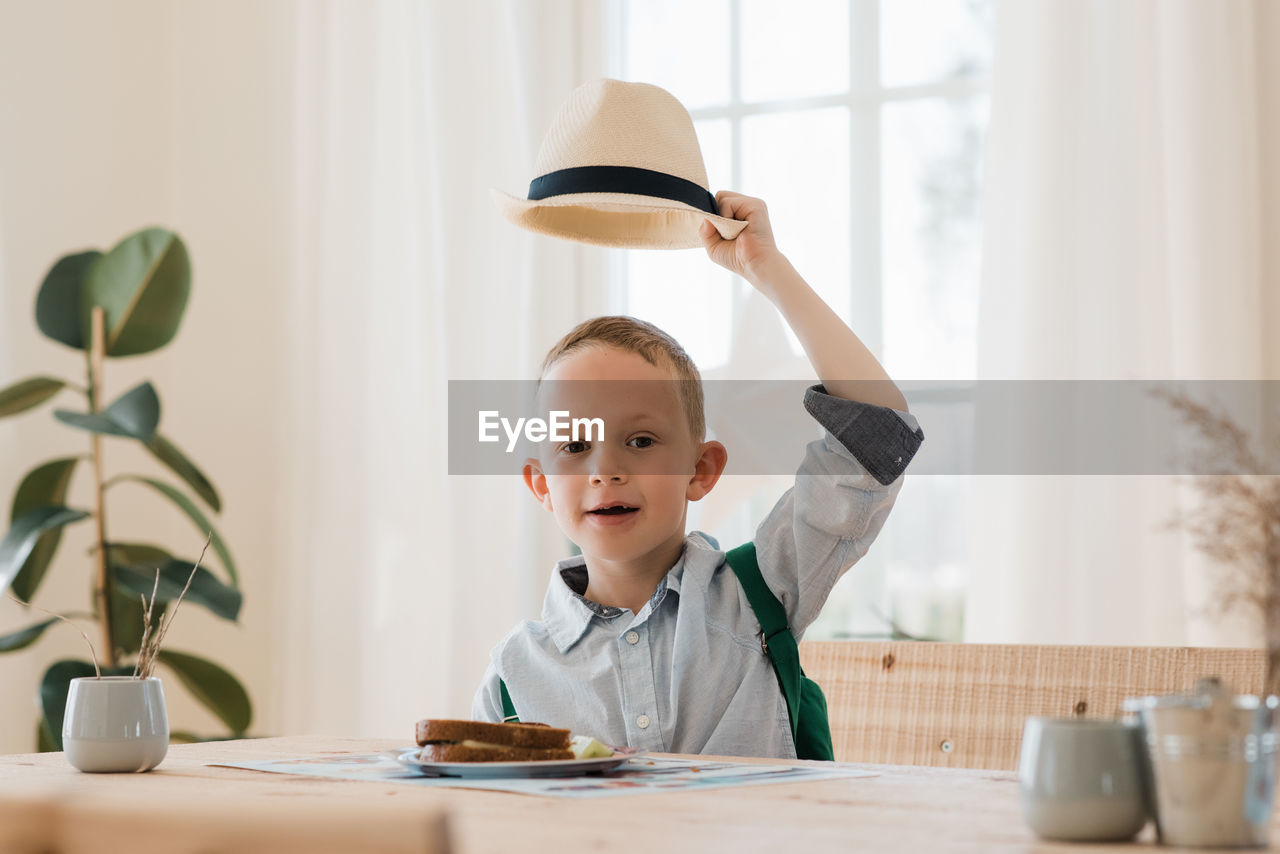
(842, 495)
(883, 440)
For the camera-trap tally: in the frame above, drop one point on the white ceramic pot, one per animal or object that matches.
(116, 723)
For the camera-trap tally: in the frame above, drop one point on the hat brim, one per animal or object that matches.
(619, 220)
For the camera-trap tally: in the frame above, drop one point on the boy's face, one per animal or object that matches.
(623, 498)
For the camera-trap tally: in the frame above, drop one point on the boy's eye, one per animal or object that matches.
(575, 447)
(641, 442)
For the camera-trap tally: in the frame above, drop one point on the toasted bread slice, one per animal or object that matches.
(478, 751)
(521, 735)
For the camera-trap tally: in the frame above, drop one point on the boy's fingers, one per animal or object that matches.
(737, 206)
(748, 207)
(727, 204)
(730, 194)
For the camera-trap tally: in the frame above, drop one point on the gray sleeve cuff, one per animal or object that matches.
(884, 440)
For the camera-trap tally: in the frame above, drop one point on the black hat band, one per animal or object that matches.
(621, 179)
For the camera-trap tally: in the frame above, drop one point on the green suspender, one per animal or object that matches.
(806, 704)
(509, 715)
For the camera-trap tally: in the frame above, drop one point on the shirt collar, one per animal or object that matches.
(567, 613)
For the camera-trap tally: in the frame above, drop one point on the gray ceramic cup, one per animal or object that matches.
(1082, 780)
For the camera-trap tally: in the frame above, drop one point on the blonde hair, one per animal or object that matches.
(647, 341)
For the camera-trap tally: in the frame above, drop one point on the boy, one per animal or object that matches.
(647, 638)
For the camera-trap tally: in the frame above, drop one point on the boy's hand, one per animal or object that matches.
(753, 250)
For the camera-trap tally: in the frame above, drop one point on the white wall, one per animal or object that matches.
(114, 116)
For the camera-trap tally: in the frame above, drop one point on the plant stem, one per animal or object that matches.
(97, 352)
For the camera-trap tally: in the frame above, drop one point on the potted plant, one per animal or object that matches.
(121, 723)
(126, 302)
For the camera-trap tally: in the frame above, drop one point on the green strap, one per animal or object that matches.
(778, 642)
(509, 715)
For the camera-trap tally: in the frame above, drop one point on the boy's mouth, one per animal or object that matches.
(612, 509)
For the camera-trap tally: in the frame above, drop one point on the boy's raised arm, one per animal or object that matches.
(849, 479)
(845, 366)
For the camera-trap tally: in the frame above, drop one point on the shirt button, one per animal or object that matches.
(643, 722)
(633, 637)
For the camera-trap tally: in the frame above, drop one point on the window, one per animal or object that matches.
(861, 124)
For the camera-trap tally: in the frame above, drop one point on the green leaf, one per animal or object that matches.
(23, 534)
(134, 414)
(206, 590)
(128, 618)
(141, 556)
(28, 394)
(168, 453)
(54, 687)
(58, 304)
(217, 689)
(24, 637)
(126, 609)
(44, 741)
(186, 505)
(142, 285)
(53, 694)
(44, 486)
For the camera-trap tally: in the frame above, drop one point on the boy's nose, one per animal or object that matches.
(606, 467)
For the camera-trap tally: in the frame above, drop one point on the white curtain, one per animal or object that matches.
(398, 578)
(1132, 198)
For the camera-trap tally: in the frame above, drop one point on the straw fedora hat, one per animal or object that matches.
(620, 166)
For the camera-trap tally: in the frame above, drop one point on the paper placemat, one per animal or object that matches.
(645, 774)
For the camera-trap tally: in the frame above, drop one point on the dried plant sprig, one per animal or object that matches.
(150, 650)
(92, 652)
(147, 608)
(164, 628)
(1230, 450)
(146, 630)
(1238, 524)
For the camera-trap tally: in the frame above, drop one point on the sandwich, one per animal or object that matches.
(475, 741)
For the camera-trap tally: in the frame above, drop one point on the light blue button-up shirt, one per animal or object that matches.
(687, 673)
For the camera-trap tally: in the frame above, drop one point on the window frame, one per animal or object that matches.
(864, 100)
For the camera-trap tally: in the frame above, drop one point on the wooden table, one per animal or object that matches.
(900, 809)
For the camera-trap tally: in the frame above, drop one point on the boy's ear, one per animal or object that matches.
(712, 458)
(537, 482)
